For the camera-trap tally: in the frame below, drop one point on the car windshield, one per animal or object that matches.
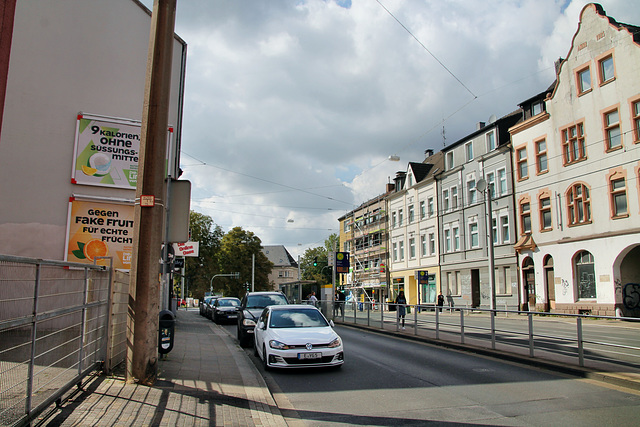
(297, 318)
(262, 301)
(228, 303)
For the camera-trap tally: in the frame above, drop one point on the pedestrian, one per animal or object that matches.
(312, 299)
(336, 303)
(440, 301)
(401, 302)
(341, 301)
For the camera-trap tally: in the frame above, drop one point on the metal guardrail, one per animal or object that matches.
(602, 342)
(53, 331)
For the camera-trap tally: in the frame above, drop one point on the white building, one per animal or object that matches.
(75, 69)
(413, 231)
(577, 177)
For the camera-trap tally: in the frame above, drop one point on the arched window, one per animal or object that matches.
(585, 275)
(578, 204)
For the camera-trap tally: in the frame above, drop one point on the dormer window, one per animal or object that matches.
(536, 108)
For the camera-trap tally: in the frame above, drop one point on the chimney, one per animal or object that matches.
(390, 187)
(428, 153)
(480, 125)
(558, 64)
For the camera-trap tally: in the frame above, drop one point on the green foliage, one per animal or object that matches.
(321, 273)
(236, 251)
(199, 270)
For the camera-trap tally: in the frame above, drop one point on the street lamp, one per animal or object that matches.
(235, 275)
(484, 188)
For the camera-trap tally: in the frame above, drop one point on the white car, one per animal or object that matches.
(296, 336)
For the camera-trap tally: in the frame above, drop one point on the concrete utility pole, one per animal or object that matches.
(144, 285)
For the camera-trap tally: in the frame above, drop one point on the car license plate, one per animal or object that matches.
(232, 316)
(309, 356)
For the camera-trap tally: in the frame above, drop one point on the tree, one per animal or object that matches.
(237, 248)
(199, 270)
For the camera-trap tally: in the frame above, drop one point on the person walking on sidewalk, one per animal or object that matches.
(312, 299)
(440, 301)
(401, 302)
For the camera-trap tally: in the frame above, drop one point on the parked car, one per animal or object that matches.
(208, 309)
(203, 305)
(250, 308)
(224, 309)
(296, 336)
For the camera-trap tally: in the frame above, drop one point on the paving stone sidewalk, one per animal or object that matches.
(207, 379)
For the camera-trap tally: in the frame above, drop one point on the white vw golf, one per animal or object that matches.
(296, 336)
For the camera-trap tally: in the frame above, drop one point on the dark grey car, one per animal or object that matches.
(250, 309)
(225, 310)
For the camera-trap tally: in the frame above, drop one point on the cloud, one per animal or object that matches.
(292, 108)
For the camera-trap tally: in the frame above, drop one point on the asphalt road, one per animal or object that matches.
(392, 381)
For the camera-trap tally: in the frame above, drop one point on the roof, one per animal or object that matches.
(279, 256)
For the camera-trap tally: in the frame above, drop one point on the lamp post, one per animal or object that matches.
(235, 275)
(484, 188)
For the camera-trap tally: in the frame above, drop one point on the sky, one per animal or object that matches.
(293, 107)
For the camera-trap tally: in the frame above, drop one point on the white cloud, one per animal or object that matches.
(294, 106)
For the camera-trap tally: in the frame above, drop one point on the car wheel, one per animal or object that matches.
(265, 358)
(255, 350)
(215, 318)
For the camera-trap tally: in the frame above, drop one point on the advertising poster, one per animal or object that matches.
(106, 151)
(100, 229)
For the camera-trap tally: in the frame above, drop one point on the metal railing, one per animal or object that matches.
(601, 342)
(53, 331)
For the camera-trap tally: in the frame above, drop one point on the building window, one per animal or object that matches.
(400, 217)
(573, 145)
(545, 213)
(635, 112)
(504, 225)
(423, 210)
(541, 156)
(474, 236)
(430, 206)
(456, 239)
(491, 184)
(471, 191)
(453, 283)
(447, 240)
(494, 227)
(423, 245)
(432, 243)
(536, 108)
(445, 200)
(525, 217)
(449, 160)
(585, 275)
(454, 197)
(584, 80)
(613, 137)
(618, 191)
(393, 219)
(606, 69)
(468, 149)
(412, 247)
(395, 251)
(523, 170)
(491, 141)
(578, 205)
(411, 214)
(401, 250)
(502, 181)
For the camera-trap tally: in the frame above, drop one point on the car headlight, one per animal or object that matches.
(335, 343)
(248, 322)
(278, 345)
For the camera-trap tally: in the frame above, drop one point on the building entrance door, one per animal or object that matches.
(550, 285)
(475, 288)
(528, 275)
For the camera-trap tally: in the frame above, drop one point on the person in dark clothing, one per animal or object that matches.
(440, 301)
(401, 302)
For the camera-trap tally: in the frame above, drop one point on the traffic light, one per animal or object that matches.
(315, 262)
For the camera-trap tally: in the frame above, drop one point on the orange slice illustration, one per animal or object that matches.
(94, 248)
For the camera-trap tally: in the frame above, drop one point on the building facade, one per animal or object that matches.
(413, 231)
(72, 107)
(463, 218)
(285, 268)
(577, 169)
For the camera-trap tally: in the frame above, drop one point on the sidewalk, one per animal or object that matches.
(205, 380)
